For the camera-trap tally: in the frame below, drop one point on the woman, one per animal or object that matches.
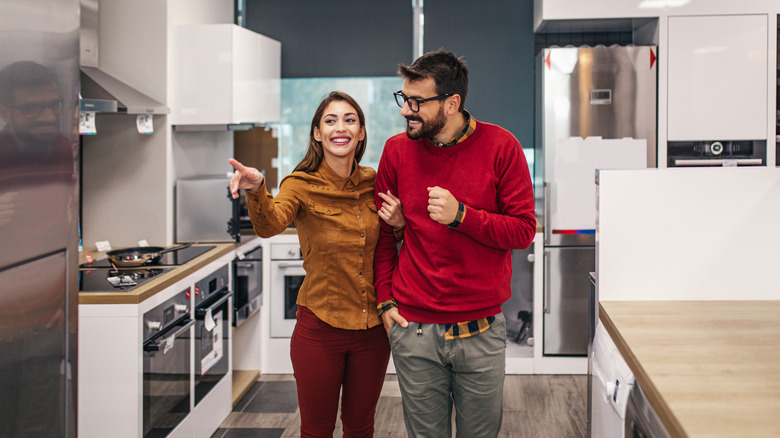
(339, 343)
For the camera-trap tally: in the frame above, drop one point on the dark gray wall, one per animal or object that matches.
(496, 39)
(348, 38)
(336, 38)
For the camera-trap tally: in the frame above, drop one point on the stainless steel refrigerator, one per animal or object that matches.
(39, 81)
(595, 109)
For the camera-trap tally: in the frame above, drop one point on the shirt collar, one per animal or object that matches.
(471, 126)
(327, 173)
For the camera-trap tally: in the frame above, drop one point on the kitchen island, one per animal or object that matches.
(709, 368)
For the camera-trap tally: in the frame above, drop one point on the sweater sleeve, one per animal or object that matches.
(514, 226)
(270, 216)
(386, 255)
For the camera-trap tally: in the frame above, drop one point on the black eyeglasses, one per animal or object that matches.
(34, 110)
(414, 103)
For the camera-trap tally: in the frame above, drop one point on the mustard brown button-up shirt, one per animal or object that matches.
(338, 228)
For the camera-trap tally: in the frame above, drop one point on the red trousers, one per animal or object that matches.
(328, 360)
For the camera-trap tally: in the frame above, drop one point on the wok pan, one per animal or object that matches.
(140, 255)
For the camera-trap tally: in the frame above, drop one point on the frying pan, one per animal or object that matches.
(140, 255)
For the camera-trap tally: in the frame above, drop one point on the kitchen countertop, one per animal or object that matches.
(159, 283)
(710, 368)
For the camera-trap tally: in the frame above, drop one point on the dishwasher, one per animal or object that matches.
(611, 381)
(641, 419)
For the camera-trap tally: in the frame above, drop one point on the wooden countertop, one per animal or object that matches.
(710, 368)
(161, 282)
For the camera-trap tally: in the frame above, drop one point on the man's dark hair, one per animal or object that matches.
(23, 74)
(448, 71)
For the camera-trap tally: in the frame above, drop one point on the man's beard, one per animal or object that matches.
(427, 129)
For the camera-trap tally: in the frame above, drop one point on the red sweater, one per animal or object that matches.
(445, 275)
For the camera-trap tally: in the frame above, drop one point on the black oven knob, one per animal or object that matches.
(716, 148)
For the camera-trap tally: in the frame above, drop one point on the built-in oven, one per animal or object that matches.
(247, 284)
(213, 308)
(287, 275)
(166, 365)
(711, 153)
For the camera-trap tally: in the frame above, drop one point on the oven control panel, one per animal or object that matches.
(211, 284)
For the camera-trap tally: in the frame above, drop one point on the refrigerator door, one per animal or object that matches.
(566, 289)
(39, 218)
(597, 110)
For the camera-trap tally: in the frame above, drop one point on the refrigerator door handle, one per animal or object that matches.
(547, 218)
(546, 281)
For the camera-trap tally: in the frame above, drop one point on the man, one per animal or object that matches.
(31, 107)
(468, 201)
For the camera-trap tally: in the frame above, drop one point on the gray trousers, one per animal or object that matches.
(435, 374)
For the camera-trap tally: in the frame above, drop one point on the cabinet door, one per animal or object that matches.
(717, 73)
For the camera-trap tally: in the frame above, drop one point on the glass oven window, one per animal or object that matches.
(292, 283)
(166, 385)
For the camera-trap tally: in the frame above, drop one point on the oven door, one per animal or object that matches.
(211, 342)
(286, 279)
(166, 387)
(247, 287)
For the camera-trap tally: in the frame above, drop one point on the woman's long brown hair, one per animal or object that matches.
(314, 155)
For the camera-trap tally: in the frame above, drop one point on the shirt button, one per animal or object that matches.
(362, 235)
(360, 254)
(328, 211)
(362, 291)
(352, 201)
(364, 310)
(360, 273)
(358, 216)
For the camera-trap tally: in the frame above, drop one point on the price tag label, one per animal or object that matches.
(87, 123)
(103, 246)
(144, 124)
(168, 343)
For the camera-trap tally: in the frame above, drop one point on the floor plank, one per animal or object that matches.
(534, 406)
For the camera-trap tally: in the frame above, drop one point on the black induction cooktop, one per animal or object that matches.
(174, 258)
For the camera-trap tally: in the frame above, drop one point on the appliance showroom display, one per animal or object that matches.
(287, 276)
(213, 311)
(103, 276)
(166, 365)
(220, 222)
(247, 284)
(597, 108)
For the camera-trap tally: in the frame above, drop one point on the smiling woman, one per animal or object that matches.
(300, 98)
(338, 347)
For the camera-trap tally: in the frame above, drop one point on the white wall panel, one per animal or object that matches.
(688, 234)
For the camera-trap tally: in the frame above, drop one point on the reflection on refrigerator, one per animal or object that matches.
(596, 109)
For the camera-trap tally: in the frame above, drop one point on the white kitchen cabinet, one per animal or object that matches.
(717, 78)
(224, 75)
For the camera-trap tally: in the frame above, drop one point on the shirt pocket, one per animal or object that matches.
(329, 216)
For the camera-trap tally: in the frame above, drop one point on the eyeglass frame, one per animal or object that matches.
(405, 99)
(55, 106)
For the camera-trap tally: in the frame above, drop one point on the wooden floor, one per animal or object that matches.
(535, 406)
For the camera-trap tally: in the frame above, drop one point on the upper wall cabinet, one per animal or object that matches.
(224, 75)
(717, 78)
